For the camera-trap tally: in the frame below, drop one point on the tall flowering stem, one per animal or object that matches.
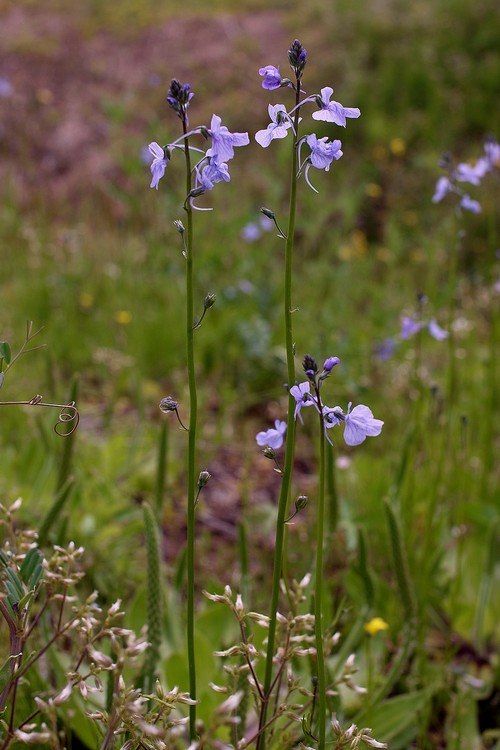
(193, 418)
(290, 441)
(318, 588)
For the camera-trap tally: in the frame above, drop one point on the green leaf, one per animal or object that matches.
(5, 352)
(396, 720)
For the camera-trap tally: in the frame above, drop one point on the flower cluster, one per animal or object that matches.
(322, 151)
(470, 173)
(212, 167)
(359, 422)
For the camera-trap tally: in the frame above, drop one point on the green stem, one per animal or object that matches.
(290, 436)
(318, 590)
(193, 414)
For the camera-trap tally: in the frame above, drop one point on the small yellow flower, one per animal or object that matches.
(86, 299)
(373, 190)
(123, 317)
(397, 146)
(375, 625)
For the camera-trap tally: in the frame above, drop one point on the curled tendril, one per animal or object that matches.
(69, 415)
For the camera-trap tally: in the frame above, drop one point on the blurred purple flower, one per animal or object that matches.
(277, 128)
(266, 223)
(223, 142)
(332, 111)
(250, 232)
(302, 398)
(272, 77)
(385, 349)
(443, 187)
(469, 173)
(159, 163)
(469, 204)
(436, 331)
(360, 423)
(409, 327)
(6, 88)
(272, 437)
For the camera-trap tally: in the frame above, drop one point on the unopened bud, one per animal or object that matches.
(209, 301)
(168, 404)
(269, 453)
(203, 479)
(301, 502)
(267, 212)
(179, 226)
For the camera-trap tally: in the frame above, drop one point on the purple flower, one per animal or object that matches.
(272, 437)
(302, 398)
(492, 151)
(211, 174)
(330, 363)
(332, 111)
(6, 88)
(272, 77)
(223, 142)
(359, 423)
(470, 205)
(436, 331)
(409, 327)
(159, 163)
(385, 349)
(332, 417)
(443, 187)
(323, 152)
(250, 232)
(277, 128)
(469, 173)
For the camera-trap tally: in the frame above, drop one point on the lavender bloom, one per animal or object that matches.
(492, 151)
(250, 232)
(6, 88)
(323, 152)
(272, 437)
(469, 173)
(409, 327)
(330, 363)
(470, 205)
(211, 174)
(332, 417)
(223, 141)
(272, 77)
(302, 398)
(385, 349)
(436, 331)
(159, 163)
(278, 126)
(443, 187)
(360, 423)
(332, 111)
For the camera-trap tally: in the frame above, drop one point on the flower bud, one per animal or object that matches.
(168, 404)
(203, 479)
(310, 367)
(330, 363)
(297, 58)
(301, 502)
(179, 226)
(269, 453)
(267, 212)
(209, 301)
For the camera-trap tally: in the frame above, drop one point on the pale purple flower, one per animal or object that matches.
(469, 204)
(272, 437)
(323, 152)
(492, 151)
(6, 88)
(212, 173)
(468, 173)
(272, 77)
(360, 423)
(250, 232)
(302, 397)
(277, 128)
(332, 111)
(266, 223)
(158, 165)
(332, 417)
(436, 331)
(223, 142)
(330, 363)
(385, 349)
(409, 327)
(443, 187)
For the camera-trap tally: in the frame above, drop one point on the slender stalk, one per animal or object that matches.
(193, 415)
(290, 434)
(318, 590)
